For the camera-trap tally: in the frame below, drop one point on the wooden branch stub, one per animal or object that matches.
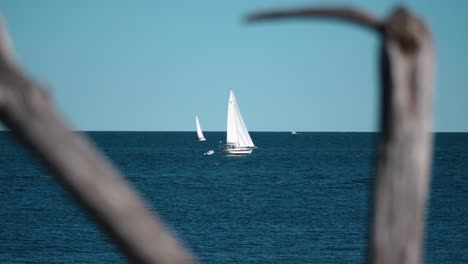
(27, 111)
(405, 147)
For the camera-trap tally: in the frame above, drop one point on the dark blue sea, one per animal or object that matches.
(297, 199)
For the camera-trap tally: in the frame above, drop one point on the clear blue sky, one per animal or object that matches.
(153, 65)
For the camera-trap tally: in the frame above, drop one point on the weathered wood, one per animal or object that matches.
(27, 111)
(341, 13)
(405, 147)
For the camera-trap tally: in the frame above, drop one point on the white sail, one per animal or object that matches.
(237, 133)
(199, 131)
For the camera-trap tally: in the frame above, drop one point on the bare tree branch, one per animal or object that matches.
(341, 13)
(27, 111)
(7, 54)
(405, 149)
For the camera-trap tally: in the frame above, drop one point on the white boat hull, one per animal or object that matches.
(238, 150)
(209, 152)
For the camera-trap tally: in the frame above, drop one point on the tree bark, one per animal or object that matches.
(27, 111)
(405, 147)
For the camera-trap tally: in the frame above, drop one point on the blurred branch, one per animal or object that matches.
(27, 111)
(405, 149)
(340, 13)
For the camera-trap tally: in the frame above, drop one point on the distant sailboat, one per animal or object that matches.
(199, 131)
(238, 140)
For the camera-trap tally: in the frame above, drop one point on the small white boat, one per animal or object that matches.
(209, 152)
(293, 132)
(199, 130)
(238, 141)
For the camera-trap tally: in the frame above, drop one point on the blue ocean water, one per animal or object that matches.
(297, 199)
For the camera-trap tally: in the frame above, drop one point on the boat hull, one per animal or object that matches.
(237, 150)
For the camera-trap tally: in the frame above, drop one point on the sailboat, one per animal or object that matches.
(238, 141)
(199, 131)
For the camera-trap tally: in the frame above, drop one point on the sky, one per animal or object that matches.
(153, 65)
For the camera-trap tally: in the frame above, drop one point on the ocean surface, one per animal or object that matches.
(297, 199)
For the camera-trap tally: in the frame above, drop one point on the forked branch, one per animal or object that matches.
(405, 147)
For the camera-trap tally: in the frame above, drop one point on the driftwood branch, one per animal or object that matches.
(27, 111)
(340, 13)
(405, 148)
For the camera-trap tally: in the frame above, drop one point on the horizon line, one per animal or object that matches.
(223, 131)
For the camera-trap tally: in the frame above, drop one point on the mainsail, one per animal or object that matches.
(199, 131)
(237, 133)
